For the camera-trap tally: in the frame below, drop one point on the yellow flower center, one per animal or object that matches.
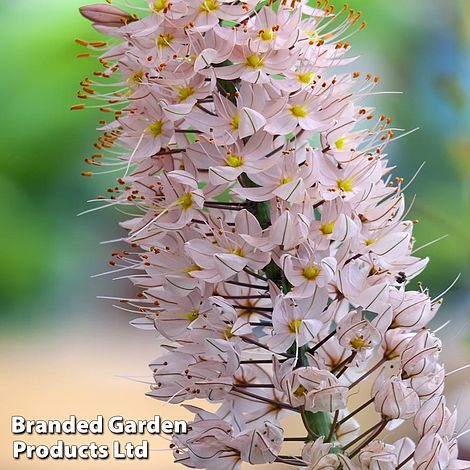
(235, 123)
(138, 76)
(228, 333)
(298, 111)
(300, 392)
(194, 315)
(327, 229)
(160, 5)
(185, 93)
(156, 128)
(369, 242)
(305, 78)
(238, 252)
(266, 34)
(311, 273)
(164, 40)
(359, 343)
(345, 185)
(209, 6)
(234, 161)
(192, 268)
(294, 326)
(285, 181)
(312, 34)
(255, 61)
(340, 143)
(186, 202)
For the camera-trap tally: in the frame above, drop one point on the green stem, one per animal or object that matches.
(319, 423)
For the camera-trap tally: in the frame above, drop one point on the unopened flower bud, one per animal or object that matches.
(413, 310)
(421, 354)
(318, 456)
(434, 416)
(378, 455)
(394, 399)
(427, 386)
(431, 453)
(395, 342)
(105, 15)
(403, 449)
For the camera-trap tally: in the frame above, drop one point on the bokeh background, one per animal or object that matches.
(64, 352)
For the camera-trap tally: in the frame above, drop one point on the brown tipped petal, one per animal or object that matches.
(105, 15)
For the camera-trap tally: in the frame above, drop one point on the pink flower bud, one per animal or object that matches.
(395, 342)
(421, 354)
(318, 456)
(434, 416)
(414, 310)
(431, 453)
(403, 449)
(394, 399)
(105, 15)
(261, 445)
(378, 455)
(427, 386)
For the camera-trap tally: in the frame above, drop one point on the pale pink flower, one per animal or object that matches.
(287, 231)
(146, 133)
(395, 342)
(206, 14)
(213, 47)
(255, 67)
(225, 122)
(230, 254)
(314, 389)
(335, 224)
(178, 281)
(303, 110)
(179, 201)
(358, 334)
(295, 322)
(226, 164)
(270, 30)
(354, 283)
(174, 315)
(158, 39)
(168, 8)
(261, 445)
(288, 181)
(307, 271)
(348, 184)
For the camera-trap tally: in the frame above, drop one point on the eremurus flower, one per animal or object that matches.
(269, 245)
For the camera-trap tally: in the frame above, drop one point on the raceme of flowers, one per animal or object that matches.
(268, 239)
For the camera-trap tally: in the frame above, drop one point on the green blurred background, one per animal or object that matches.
(47, 254)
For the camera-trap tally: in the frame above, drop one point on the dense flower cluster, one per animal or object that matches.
(269, 241)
